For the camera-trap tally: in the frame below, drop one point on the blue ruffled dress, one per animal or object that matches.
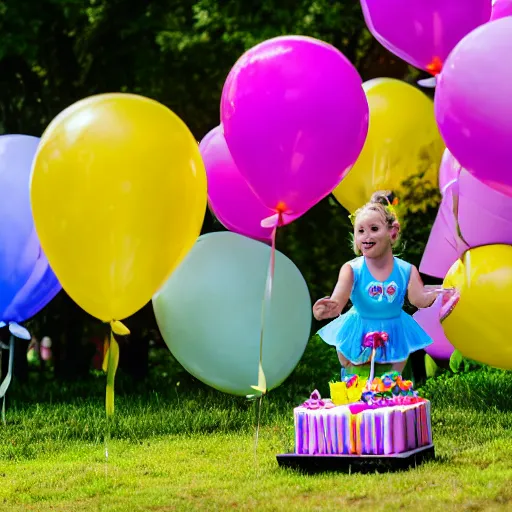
(377, 307)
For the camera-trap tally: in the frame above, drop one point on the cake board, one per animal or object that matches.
(357, 463)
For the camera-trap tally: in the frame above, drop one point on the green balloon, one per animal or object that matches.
(209, 313)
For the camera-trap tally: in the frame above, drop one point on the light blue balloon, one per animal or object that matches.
(209, 313)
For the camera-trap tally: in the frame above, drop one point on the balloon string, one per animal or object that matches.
(259, 405)
(17, 331)
(110, 364)
(7, 381)
(107, 443)
(372, 366)
(261, 387)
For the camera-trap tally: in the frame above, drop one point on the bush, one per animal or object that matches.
(482, 389)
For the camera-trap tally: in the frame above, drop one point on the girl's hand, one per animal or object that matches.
(423, 296)
(326, 308)
(436, 290)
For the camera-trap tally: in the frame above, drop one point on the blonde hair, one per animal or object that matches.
(381, 202)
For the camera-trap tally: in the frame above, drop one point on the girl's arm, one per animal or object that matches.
(418, 295)
(343, 288)
(333, 306)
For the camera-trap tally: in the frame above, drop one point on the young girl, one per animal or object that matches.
(376, 283)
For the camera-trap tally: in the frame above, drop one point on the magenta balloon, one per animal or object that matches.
(428, 318)
(473, 104)
(230, 198)
(485, 217)
(295, 119)
(448, 170)
(423, 32)
(501, 8)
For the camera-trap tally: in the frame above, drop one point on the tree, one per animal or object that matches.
(179, 52)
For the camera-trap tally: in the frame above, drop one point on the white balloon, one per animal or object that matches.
(209, 313)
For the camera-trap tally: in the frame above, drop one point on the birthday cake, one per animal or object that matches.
(382, 417)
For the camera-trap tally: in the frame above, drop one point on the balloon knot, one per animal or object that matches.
(281, 207)
(428, 82)
(119, 328)
(435, 66)
(19, 331)
(274, 221)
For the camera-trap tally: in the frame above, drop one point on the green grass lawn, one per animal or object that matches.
(196, 452)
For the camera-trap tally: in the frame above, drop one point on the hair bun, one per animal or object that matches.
(384, 197)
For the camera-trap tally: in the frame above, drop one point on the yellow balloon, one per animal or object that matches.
(118, 194)
(403, 141)
(479, 322)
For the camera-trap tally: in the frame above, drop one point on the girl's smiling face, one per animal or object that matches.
(372, 235)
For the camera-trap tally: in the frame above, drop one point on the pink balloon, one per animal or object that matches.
(448, 170)
(443, 246)
(501, 8)
(423, 32)
(473, 104)
(295, 119)
(230, 198)
(428, 319)
(485, 217)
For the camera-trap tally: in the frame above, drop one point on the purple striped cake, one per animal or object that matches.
(382, 425)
